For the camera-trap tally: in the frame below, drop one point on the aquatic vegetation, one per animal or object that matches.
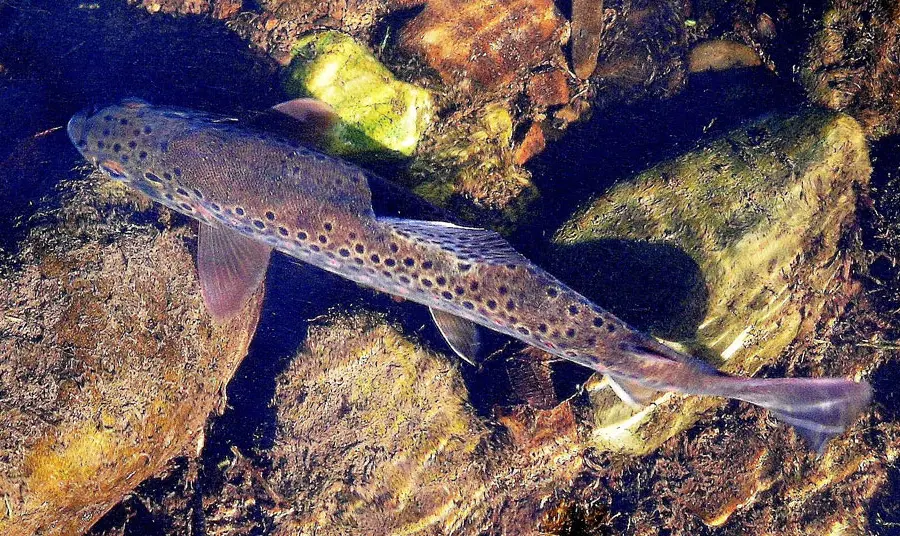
(378, 112)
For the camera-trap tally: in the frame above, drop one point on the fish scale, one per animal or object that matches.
(254, 193)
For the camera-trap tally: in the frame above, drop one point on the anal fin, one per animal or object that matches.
(461, 334)
(231, 268)
(631, 392)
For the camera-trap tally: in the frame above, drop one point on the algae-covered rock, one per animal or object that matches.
(109, 362)
(470, 165)
(376, 436)
(377, 111)
(737, 244)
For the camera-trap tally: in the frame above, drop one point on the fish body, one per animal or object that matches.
(254, 193)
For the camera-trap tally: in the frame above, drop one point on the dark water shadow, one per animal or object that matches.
(655, 287)
(58, 58)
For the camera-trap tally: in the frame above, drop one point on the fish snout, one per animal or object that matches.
(77, 125)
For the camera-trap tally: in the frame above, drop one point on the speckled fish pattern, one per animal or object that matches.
(318, 209)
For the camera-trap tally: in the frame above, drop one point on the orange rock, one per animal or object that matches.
(488, 42)
(549, 88)
(225, 9)
(533, 144)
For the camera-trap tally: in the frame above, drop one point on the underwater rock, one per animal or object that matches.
(732, 250)
(721, 54)
(469, 165)
(486, 45)
(109, 362)
(853, 64)
(376, 436)
(378, 112)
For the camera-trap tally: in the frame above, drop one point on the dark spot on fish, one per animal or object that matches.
(164, 146)
(344, 252)
(394, 248)
(338, 182)
(123, 121)
(468, 305)
(108, 118)
(427, 265)
(427, 282)
(136, 132)
(491, 304)
(142, 155)
(99, 144)
(147, 129)
(573, 310)
(359, 248)
(459, 290)
(170, 197)
(315, 248)
(473, 286)
(186, 207)
(552, 292)
(388, 274)
(542, 328)
(117, 147)
(259, 224)
(598, 322)
(403, 279)
(502, 290)
(447, 295)
(270, 215)
(152, 178)
(132, 144)
(375, 258)
(328, 227)
(167, 176)
(181, 191)
(323, 239)
(390, 262)
(512, 266)
(359, 261)
(198, 193)
(570, 353)
(409, 262)
(239, 211)
(510, 305)
(464, 267)
(610, 328)
(302, 236)
(570, 333)
(282, 231)
(330, 255)
(513, 320)
(106, 132)
(82, 143)
(592, 341)
(442, 281)
(524, 331)
(124, 158)
(177, 172)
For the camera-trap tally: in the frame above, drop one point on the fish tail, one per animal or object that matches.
(818, 408)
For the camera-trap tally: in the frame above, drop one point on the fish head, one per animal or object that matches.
(128, 141)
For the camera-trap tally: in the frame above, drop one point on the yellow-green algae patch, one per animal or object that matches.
(377, 111)
(759, 214)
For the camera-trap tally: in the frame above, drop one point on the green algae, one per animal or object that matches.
(378, 112)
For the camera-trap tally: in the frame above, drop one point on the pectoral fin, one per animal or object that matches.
(313, 117)
(461, 334)
(630, 391)
(231, 268)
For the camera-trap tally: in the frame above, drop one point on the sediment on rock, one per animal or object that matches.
(109, 362)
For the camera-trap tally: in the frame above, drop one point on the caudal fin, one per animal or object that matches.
(818, 408)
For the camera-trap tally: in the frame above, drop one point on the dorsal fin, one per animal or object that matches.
(461, 334)
(468, 242)
(231, 268)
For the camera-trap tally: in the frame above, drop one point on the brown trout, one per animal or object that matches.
(253, 192)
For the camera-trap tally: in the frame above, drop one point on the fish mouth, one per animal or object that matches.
(76, 125)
